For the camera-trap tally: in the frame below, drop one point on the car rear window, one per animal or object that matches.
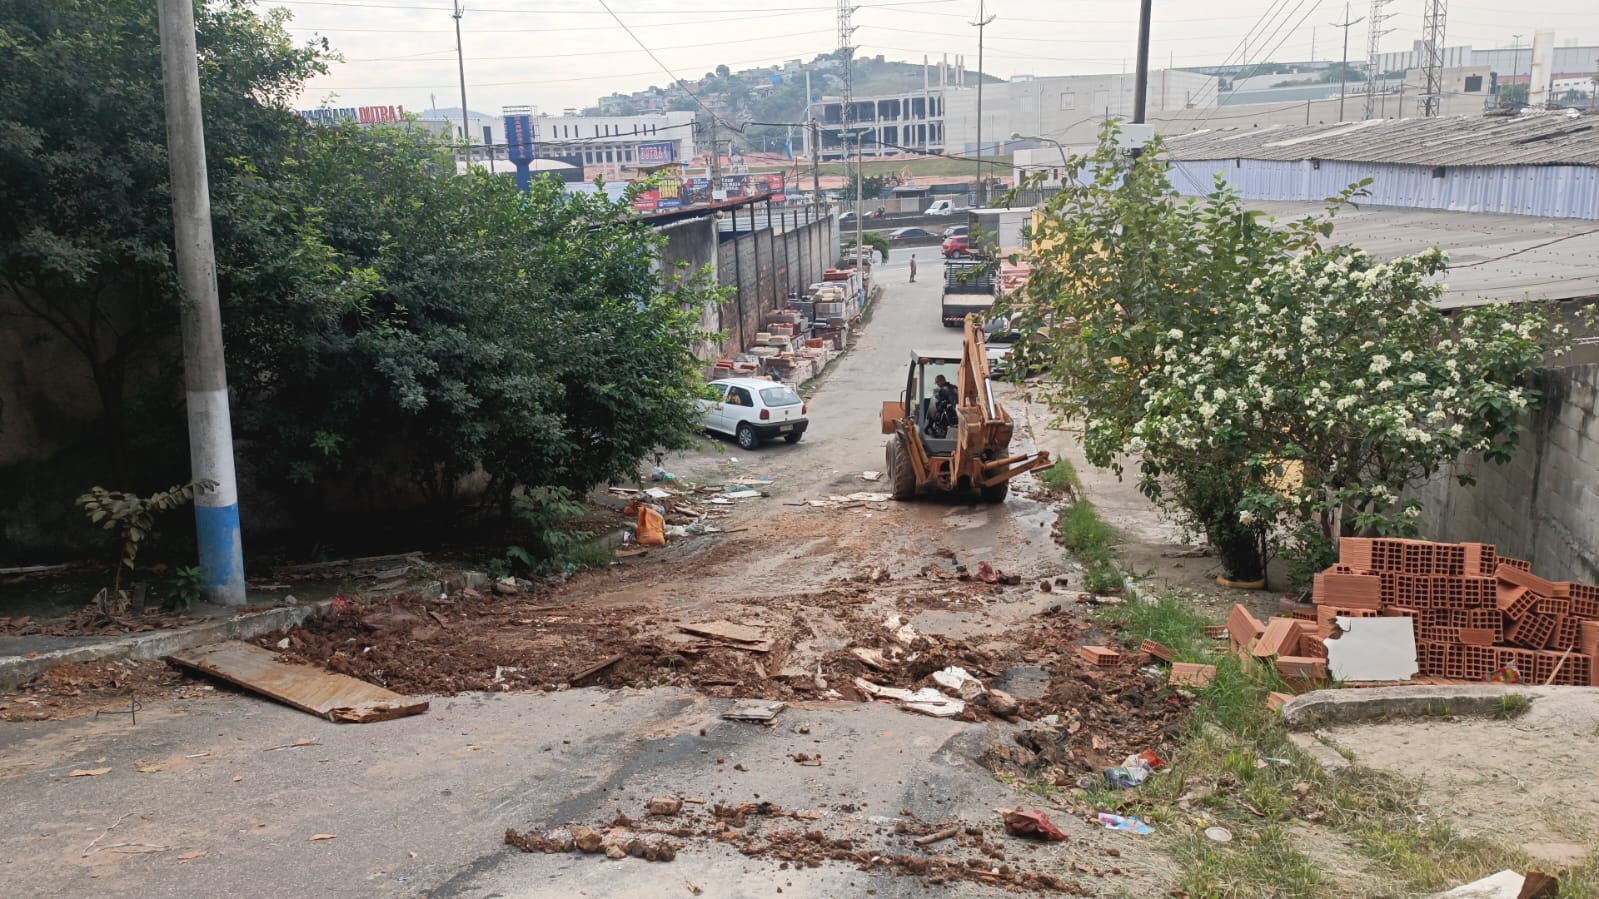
(779, 396)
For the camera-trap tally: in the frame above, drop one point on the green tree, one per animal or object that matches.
(85, 241)
(871, 187)
(1263, 381)
(418, 320)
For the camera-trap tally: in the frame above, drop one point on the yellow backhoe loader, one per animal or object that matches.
(955, 437)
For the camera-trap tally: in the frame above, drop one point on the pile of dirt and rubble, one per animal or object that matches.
(91, 622)
(940, 853)
(77, 688)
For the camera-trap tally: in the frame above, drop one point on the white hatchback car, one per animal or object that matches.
(751, 410)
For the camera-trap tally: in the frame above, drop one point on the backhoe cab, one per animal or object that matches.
(947, 444)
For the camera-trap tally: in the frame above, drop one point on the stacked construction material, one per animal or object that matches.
(1292, 645)
(1476, 615)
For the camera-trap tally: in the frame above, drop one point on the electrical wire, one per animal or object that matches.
(676, 81)
(451, 50)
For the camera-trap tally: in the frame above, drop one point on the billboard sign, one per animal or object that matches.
(647, 201)
(657, 154)
(519, 137)
(364, 115)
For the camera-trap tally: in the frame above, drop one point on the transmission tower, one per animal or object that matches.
(1374, 46)
(847, 51)
(1433, 37)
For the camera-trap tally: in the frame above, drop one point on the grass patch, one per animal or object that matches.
(1060, 477)
(1089, 540)
(1238, 768)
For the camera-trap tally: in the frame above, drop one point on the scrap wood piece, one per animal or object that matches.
(754, 639)
(596, 668)
(937, 835)
(871, 658)
(336, 697)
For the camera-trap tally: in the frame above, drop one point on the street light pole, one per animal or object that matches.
(983, 20)
(205, 380)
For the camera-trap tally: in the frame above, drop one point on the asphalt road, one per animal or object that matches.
(201, 800)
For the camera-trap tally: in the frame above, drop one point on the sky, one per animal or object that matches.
(553, 54)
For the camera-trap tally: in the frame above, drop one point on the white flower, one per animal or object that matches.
(1247, 517)
(1412, 511)
(1175, 334)
(1379, 364)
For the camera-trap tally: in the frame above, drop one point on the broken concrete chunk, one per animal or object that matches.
(665, 805)
(754, 710)
(1002, 704)
(587, 839)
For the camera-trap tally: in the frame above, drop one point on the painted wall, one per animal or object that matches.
(1543, 506)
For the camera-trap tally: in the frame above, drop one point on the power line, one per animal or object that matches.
(748, 40)
(676, 81)
(586, 12)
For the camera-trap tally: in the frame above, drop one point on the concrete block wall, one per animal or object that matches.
(764, 267)
(1543, 506)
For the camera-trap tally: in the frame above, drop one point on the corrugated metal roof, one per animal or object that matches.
(1443, 141)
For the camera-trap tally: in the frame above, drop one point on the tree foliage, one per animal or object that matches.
(450, 324)
(85, 242)
(1263, 380)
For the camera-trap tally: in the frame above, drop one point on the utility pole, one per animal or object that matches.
(845, 31)
(1141, 69)
(983, 20)
(205, 379)
(716, 159)
(816, 160)
(1343, 69)
(460, 62)
(1374, 35)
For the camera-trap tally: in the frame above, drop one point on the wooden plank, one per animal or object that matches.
(741, 636)
(336, 697)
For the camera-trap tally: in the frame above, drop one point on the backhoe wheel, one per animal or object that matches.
(900, 472)
(994, 494)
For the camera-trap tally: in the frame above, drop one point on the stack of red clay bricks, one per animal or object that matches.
(1290, 644)
(1476, 614)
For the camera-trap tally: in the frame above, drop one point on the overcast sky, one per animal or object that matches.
(570, 52)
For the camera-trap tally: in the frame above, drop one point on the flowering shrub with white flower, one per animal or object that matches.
(1265, 382)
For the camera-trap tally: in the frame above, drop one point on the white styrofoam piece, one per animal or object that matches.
(1503, 885)
(1373, 649)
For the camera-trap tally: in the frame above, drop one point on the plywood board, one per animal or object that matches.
(336, 697)
(1373, 649)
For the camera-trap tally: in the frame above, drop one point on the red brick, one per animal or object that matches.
(1449, 559)
(1515, 601)
(1100, 656)
(1188, 674)
(1480, 558)
(1158, 650)
(1439, 634)
(1515, 563)
(1519, 659)
(1567, 633)
(1554, 606)
(1477, 662)
(1216, 631)
(1525, 578)
(1276, 701)
(1585, 608)
(1302, 667)
(1313, 646)
(1281, 638)
(1532, 631)
(1304, 615)
(1351, 591)
(1487, 619)
(1356, 553)
(1473, 636)
(1243, 629)
(1588, 637)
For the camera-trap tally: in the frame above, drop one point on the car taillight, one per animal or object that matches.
(804, 407)
(765, 414)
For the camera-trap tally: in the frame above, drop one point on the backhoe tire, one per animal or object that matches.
(995, 494)
(900, 473)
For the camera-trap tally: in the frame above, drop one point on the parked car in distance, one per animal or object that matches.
(847, 218)
(956, 246)
(941, 207)
(751, 410)
(957, 231)
(910, 234)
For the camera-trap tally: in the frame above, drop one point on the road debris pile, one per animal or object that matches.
(940, 853)
(76, 688)
(91, 622)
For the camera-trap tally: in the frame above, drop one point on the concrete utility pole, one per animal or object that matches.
(205, 380)
(460, 63)
(1515, 64)
(1343, 70)
(1141, 68)
(983, 20)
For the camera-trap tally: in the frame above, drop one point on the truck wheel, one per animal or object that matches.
(995, 494)
(746, 436)
(900, 473)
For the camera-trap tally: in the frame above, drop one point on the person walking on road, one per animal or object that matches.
(913, 268)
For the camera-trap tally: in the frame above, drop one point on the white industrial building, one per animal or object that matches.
(1537, 165)
(1065, 108)
(605, 141)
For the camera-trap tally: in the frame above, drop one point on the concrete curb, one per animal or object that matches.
(18, 670)
(1348, 706)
